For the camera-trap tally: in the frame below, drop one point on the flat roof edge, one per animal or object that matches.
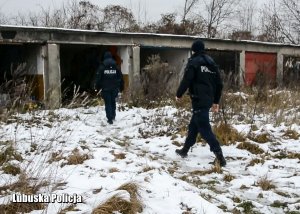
(95, 32)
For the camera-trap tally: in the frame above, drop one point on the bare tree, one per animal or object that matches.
(271, 24)
(246, 15)
(290, 16)
(83, 15)
(188, 6)
(20, 19)
(216, 13)
(3, 18)
(118, 18)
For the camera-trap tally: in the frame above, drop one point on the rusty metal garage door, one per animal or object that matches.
(264, 63)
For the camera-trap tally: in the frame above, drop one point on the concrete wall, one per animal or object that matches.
(134, 75)
(125, 56)
(130, 51)
(52, 77)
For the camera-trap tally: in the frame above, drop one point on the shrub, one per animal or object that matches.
(158, 79)
(265, 183)
(227, 135)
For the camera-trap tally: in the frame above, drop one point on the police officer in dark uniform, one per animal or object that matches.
(109, 78)
(202, 79)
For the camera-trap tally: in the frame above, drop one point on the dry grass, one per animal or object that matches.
(76, 158)
(119, 204)
(287, 155)
(55, 157)
(11, 169)
(13, 208)
(118, 156)
(215, 169)
(176, 143)
(247, 206)
(291, 134)
(70, 208)
(261, 138)
(279, 204)
(8, 154)
(112, 170)
(228, 177)
(256, 161)
(265, 183)
(148, 168)
(115, 204)
(227, 135)
(23, 185)
(250, 147)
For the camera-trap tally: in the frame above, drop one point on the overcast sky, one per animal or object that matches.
(153, 8)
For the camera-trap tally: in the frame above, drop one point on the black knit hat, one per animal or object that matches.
(198, 46)
(107, 55)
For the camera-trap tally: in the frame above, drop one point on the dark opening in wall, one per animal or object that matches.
(11, 56)
(8, 34)
(229, 65)
(18, 72)
(78, 66)
(291, 70)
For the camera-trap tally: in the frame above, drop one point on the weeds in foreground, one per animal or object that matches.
(265, 184)
(117, 203)
(13, 208)
(76, 157)
(227, 135)
(250, 147)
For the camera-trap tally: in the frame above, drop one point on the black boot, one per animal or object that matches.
(182, 152)
(219, 159)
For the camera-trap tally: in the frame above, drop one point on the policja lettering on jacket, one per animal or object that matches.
(110, 71)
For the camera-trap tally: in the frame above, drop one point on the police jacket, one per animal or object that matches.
(202, 79)
(108, 76)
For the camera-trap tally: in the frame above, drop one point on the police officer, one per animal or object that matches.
(109, 78)
(202, 79)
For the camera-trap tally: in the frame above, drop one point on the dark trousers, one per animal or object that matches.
(200, 124)
(109, 97)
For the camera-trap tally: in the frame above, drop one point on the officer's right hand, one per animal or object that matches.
(215, 108)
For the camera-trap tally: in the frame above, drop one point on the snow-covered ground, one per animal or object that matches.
(135, 150)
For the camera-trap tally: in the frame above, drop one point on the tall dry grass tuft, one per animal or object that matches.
(24, 185)
(265, 183)
(227, 135)
(158, 78)
(133, 190)
(80, 99)
(158, 81)
(118, 204)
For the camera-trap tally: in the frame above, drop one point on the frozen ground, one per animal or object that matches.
(133, 150)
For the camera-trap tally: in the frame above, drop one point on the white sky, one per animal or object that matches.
(153, 8)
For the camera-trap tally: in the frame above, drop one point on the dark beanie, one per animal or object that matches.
(198, 46)
(107, 55)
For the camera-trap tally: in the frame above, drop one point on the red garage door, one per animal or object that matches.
(260, 62)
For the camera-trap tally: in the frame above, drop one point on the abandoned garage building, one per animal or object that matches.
(56, 58)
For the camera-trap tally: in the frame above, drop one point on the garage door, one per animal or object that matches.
(265, 63)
